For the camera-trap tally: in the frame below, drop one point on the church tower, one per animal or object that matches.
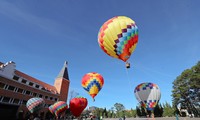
(62, 83)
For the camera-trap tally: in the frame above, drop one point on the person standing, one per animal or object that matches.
(101, 118)
(124, 117)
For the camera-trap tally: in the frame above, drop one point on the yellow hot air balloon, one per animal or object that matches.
(118, 37)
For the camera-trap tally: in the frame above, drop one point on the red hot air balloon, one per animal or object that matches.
(77, 105)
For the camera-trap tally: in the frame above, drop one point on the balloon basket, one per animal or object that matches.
(128, 65)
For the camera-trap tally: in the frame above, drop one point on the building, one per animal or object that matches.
(16, 88)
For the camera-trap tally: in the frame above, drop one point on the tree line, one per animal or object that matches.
(118, 110)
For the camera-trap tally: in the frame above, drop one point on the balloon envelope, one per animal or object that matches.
(51, 109)
(92, 83)
(148, 94)
(77, 105)
(58, 107)
(118, 37)
(35, 104)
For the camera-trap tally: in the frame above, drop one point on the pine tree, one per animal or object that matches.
(186, 90)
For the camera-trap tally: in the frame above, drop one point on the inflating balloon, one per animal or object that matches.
(35, 104)
(148, 95)
(58, 108)
(118, 37)
(77, 105)
(92, 83)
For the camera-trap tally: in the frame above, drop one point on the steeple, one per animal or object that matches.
(62, 83)
(64, 72)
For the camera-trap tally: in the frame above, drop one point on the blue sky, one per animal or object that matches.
(40, 35)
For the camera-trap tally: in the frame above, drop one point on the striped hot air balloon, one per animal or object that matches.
(118, 37)
(35, 104)
(58, 108)
(148, 95)
(92, 82)
(51, 109)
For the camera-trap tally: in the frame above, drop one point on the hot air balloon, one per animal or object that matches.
(58, 108)
(118, 37)
(51, 109)
(77, 105)
(148, 94)
(35, 104)
(92, 82)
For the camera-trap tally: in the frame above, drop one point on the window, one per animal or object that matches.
(43, 89)
(11, 88)
(34, 94)
(16, 101)
(51, 98)
(40, 95)
(24, 81)
(37, 86)
(28, 92)
(16, 89)
(6, 99)
(2, 85)
(48, 90)
(24, 102)
(30, 83)
(6, 87)
(46, 97)
(15, 78)
(20, 90)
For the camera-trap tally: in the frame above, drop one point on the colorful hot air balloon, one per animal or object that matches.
(77, 105)
(51, 109)
(58, 108)
(35, 104)
(148, 95)
(92, 83)
(118, 37)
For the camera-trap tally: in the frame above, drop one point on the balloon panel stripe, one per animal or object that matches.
(91, 84)
(144, 86)
(123, 38)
